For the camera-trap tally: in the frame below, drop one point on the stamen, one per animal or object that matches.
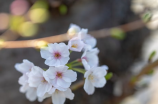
(59, 74)
(74, 46)
(85, 58)
(91, 77)
(44, 80)
(57, 55)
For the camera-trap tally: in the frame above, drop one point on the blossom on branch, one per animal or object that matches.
(24, 67)
(55, 54)
(76, 44)
(95, 77)
(55, 82)
(60, 77)
(38, 79)
(73, 30)
(91, 57)
(59, 97)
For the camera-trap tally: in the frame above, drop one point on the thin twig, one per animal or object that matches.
(130, 86)
(64, 37)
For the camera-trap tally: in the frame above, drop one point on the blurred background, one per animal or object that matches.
(126, 53)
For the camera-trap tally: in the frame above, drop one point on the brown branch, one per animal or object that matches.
(131, 83)
(144, 71)
(64, 37)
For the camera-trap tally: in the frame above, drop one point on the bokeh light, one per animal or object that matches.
(16, 21)
(19, 7)
(41, 44)
(28, 29)
(39, 12)
(4, 21)
(38, 15)
(40, 4)
(71, 32)
(63, 9)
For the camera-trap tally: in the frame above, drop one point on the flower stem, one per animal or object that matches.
(70, 51)
(75, 61)
(79, 70)
(76, 64)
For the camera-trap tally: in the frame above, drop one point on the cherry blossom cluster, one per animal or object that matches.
(55, 82)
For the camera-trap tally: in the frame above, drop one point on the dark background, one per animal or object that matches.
(119, 55)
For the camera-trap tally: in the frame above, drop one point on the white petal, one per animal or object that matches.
(24, 88)
(50, 61)
(90, 41)
(76, 41)
(40, 99)
(64, 60)
(23, 79)
(69, 94)
(52, 90)
(85, 64)
(88, 87)
(31, 94)
(70, 75)
(75, 27)
(51, 72)
(35, 76)
(24, 67)
(87, 73)
(64, 51)
(60, 88)
(105, 67)
(100, 83)
(58, 98)
(42, 89)
(63, 83)
(62, 68)
(51, 47)
(45, 53)
(99, 71)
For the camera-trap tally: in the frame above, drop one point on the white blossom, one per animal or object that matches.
(24, 67)
(94, 77)
(61, 77)
(59, 97)
(87, 38)
(38, 79)
(31, 94)
(73, 30)
(91, 57)
(76, 44)
(105, 67)
(23, 81)
(55, 54)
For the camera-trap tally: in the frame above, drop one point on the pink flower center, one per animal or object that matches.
(44, 80)
(85, 58)
(57, 55)
(59, 75)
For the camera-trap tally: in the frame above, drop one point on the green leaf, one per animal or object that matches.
(109, 76)
(79, 70)
(63, 9)
(152, 55)
(146, 17)
(117, 33)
